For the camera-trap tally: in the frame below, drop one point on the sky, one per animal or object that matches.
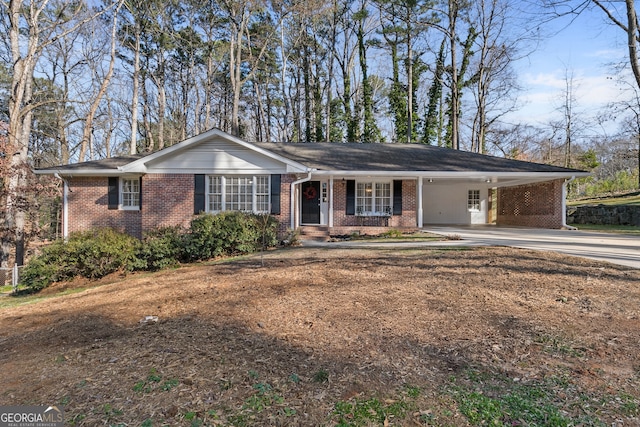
(584, 49)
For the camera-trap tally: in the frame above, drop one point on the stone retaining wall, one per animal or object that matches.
(604, 215)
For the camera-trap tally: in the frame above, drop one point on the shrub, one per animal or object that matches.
(104, 251)
(622, 181)
(228, 233)
(52, 265)
(160, 249)
(92, 254)
(201, 241)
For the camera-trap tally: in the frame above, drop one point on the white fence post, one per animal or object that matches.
(14, 277)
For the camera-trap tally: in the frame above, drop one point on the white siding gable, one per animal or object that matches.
(217, 156)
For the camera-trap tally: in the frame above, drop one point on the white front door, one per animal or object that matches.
(477, 205)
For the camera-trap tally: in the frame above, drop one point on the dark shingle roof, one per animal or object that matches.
(398, 157)
(102, 164)
(362, 157)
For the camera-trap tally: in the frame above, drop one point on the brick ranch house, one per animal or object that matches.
(319, 188)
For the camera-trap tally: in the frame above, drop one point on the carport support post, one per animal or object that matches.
(564, 203)
(420, 202)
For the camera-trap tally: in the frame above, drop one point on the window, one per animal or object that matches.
(238, 193)
(130, 193)
(215, 194)
(262, 193)
(473, 200)
(373, 198)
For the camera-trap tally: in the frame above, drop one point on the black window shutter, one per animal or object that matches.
(351, 197)
(140, 194)
(397, 197)
(113, 193)
(198, 194)
(275, 194)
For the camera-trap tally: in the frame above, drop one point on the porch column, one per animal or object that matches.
(420, 202)
(564, 203)
(65, 210)
(331, 202)
(294, 196)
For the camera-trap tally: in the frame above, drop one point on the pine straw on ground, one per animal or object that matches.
(281, 344)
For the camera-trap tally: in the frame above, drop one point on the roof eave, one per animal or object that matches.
(453, 174)
(83, 172)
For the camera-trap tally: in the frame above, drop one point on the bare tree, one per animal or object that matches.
(622, 14)
(32, 26)
(106, 80)
(242, 58)
(631, 109)
(132, 34)
(494, 82)
(572, 126)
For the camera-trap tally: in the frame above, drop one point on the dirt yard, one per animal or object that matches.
(336, 337)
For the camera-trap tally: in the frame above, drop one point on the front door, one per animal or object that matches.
(310, 201)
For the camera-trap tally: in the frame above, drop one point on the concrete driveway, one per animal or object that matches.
(614, 248)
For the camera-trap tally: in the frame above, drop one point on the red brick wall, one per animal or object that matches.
(167, 200)
(535, 205)
(88, 208)
(285, 204)
(347, 224)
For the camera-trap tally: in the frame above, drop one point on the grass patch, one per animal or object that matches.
(154, 382)
(321, 376)
(20, 300)
(627, 199)
(495, 400)
(621, 229)
(559, 346)
(364, 412)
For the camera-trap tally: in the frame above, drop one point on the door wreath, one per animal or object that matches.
(310, 193)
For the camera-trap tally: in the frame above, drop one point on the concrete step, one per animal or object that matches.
(314, 232)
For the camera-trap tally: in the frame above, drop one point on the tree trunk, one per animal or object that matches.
(146, 114)
(306, 72)
(327, 112)
(317, 103)
(409, 79)
(453, 16)
(235, 64)
(207, 92)
(162, 105)
(20, 120)
(632, 37)
(88, 124)
(133, 147)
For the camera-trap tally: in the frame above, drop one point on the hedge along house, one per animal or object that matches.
(320, 188)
